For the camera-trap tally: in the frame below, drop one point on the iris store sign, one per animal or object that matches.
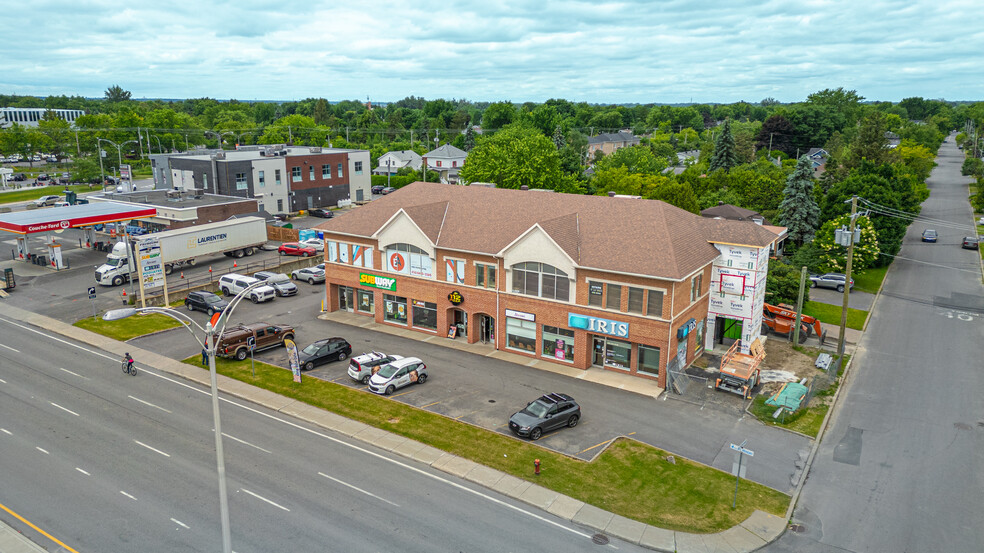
(595, 324)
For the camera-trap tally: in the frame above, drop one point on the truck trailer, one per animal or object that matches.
(180, 247)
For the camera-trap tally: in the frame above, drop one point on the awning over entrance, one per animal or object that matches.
(71, 216)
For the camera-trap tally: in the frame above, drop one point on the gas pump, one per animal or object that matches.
(55, 254)
(22, 249)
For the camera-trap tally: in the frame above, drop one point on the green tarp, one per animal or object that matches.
(789, 396)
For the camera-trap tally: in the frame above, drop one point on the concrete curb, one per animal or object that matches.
(758, 530)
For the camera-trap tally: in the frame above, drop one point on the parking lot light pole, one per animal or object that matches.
(212, 334)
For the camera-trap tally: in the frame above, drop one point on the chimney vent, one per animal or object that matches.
(611, 193)
(524, 187)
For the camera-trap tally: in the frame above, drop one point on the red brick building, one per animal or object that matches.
(585, 281)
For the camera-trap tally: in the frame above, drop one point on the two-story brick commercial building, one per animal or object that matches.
(619, 283)
(281, 178)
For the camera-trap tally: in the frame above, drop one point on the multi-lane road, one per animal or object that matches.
(107, 462)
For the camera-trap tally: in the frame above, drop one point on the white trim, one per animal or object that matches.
(375, 235)
(501, 253)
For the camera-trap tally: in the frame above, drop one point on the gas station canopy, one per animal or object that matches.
(71, 216)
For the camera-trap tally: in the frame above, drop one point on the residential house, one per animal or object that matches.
(391, 162)
(609, 142)
(446, 160)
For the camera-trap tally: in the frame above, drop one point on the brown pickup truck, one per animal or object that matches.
(233, 342)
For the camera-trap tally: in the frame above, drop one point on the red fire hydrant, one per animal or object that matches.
(536, 467)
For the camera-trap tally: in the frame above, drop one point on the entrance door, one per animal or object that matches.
(599, 352)
(359, 195)
(345, 300)
(310, 202)
(486, 332)
(460, 319)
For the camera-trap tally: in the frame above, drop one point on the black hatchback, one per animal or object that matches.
(546, 413)
(205, 301)
(324, 351)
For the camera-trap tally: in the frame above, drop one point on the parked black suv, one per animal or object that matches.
(323, 351)
(546, 413)
(205, 301)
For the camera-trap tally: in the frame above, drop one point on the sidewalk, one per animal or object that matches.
(756, 531)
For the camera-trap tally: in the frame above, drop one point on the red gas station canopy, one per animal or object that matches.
(72, 216)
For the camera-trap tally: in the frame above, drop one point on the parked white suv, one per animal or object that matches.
(232, 284)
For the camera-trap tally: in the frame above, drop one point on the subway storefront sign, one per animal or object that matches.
(383, 283)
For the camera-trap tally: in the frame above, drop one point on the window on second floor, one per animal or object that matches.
(241, 181)
(613, 296)
(358, 168)
(485, 275)
(636, 300)
(540, 279)
(340, 170)
(326, 171)
(438, 163)
(262, 179)
(695, 286)
(654, 307)
(276, 176)
(295, 174)
(311, 172)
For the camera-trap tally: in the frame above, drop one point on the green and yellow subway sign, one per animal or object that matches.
(383, 283)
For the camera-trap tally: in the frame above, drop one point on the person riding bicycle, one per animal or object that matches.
(129, 361)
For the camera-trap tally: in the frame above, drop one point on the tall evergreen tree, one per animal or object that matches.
(558, 138)
(725, 154)
(469, 139)
(799, 211)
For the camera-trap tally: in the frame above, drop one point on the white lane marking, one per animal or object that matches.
(244, 442)
(2, 380)
(148, 403)
(82, 471)
(151, 448)
(74, 373)
(10, 348)
(257, 496)
(358, 489)
(320, 435)
(63, 409)
(5, 431)
(179, 523)
(128, 495)
(41, 450)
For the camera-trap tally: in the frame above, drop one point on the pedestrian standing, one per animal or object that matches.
(204, 357)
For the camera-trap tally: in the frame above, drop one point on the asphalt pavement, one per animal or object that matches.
(901, 467)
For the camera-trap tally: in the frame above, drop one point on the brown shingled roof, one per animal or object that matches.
(625, 235)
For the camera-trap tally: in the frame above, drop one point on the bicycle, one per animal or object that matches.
(128, 367)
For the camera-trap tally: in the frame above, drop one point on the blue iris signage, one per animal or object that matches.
(595, 324)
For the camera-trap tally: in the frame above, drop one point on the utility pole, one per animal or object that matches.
(847, 276)
(799, 306)
(770, 144)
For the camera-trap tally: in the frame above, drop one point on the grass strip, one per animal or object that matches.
(869, 280)
(129, 328)
(35, 192)
(831, 314)
(630, 478)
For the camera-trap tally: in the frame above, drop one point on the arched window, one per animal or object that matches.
(542, 280)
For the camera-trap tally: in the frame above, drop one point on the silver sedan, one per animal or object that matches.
(309, 274)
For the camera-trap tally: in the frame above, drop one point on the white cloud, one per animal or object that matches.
(610, 52)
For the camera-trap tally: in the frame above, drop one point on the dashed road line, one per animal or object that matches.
(258, 496)
(42, 450)
(128, 495)
(181, 524)
(244, 442)
(74, 373)
(357, 489)
(5, 431)
(64, 409)
(10, 348)
(151, 448)
(82, 471)
(148, 403)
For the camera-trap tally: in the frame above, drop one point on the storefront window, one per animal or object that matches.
(425, 315)
(618, 354)
(649, 360)
(558, 343)
(699, 337)
(396, 309)
(596, 294)
(520, 334)
(365, 301)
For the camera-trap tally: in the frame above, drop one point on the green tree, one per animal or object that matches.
(799, 211)
(321, 112)
(871, 143)
(116, 93)
(469, 143)
(918, 158)
(844, 102)
(673, 192)
(497, 116)
(783, 283)
(637, 159)
(724, 156)
(517, 155)
(972, 167)
(833, 256)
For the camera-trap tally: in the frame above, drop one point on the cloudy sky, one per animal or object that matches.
(663, 51)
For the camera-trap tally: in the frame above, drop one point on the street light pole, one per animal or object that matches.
(212, 334)
(847, 277)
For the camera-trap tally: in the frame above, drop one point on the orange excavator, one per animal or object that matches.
(781, 319)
